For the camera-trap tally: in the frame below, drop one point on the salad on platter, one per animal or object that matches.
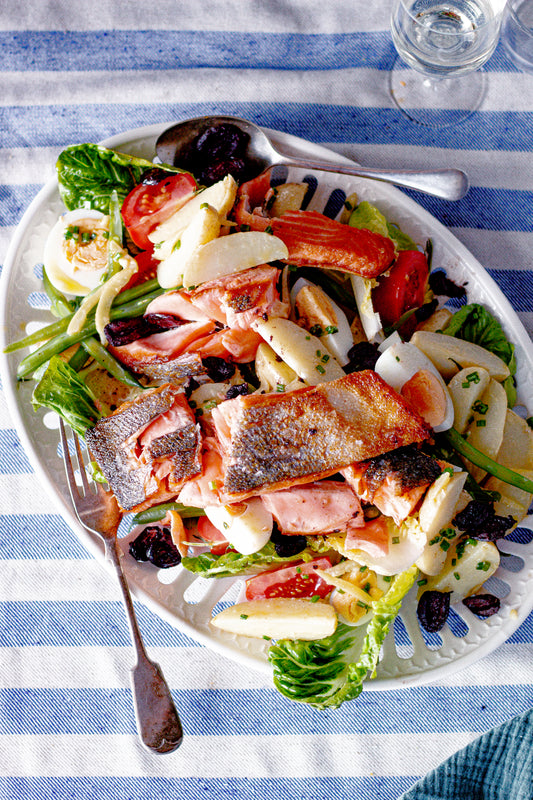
(282, 397)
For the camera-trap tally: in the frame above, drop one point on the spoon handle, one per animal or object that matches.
(449, 184)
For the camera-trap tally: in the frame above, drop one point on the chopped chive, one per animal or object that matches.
(331, 329)
(422, 582)
(320, 368)
(315, 598)
(481, 423)
(244, 616)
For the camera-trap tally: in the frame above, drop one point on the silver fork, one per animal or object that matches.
(157, 719)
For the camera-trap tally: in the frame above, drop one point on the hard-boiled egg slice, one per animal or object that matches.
(75, 253)
(404, 367)
(247, 526)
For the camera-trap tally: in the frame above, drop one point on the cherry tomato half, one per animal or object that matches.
(297, 581)
(403, 288)
(147, 205)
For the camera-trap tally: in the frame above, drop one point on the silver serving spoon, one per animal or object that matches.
(172, 144)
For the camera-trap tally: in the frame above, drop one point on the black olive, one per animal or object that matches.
(286, 546)
(155, 544)
(480, 521)
(483, 605)
(235, 391)
(362, 355)
(218, 369)
(124, 331)
(433, 610)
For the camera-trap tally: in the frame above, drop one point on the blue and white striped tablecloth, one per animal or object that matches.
(75, 71)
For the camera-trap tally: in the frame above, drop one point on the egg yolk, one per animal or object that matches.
(425, 394)
(85, 244)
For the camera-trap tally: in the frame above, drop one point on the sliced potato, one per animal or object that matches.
(513, 501)
(203, 228)
(317, 310)
(287, 197)
(436, 322)
(468, 565)
(302, 351)
(234, 253)
(450, 355)
(441, 503)
(516, 450)
(279, 618)
(465, 392)
(220, 196)
(273, 373)
(485, 432)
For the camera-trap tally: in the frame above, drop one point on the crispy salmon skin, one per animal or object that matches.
(274, 441)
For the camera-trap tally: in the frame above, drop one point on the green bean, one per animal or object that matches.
(95, 349)
(78, 360)
(478, 458)
(64, 340)
(156, 513)
(149, 289)
(91, 345)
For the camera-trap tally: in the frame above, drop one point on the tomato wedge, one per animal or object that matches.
(403, 288)
(295, 581)
(149, 204)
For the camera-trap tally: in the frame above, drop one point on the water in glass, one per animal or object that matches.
(445, 39)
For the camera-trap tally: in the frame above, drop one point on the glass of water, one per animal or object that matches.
(441, 45)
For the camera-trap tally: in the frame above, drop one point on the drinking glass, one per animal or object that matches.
(443, 43)
(517, 33)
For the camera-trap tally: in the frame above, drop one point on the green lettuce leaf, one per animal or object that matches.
(365, 215)
(61, 389)
(477, 325)
(88, 174)
(224, 566)
(327, 672)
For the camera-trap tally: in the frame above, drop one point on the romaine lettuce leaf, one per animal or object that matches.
(88, 173)
(365, 215)
(224, 566)
(61, 389)
(327, 672)
(477, 325)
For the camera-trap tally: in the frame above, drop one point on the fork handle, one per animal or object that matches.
(157, 718)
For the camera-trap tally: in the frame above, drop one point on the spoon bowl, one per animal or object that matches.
(176, 146)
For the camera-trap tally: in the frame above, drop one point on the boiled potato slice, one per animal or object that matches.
(273, 373)
(287, 197)
(513, 501)
(469, 564)
(234, 253)
(436, 322)
(279, 618)
(441, 503)
(516, 450)
(204, 227)
(220, 196)
(447, 353)
(302, 351)
(485, 432)
(466, 389)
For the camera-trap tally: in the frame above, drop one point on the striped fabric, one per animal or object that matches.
(73, 71)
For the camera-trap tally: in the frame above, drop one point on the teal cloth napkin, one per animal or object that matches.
(497, 766)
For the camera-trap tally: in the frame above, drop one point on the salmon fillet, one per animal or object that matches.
(273, 441)
(313, 239)
(148, 447)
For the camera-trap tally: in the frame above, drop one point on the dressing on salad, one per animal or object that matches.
(282, 397)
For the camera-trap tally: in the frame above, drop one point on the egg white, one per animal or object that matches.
(398, 363)
(63, 275)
